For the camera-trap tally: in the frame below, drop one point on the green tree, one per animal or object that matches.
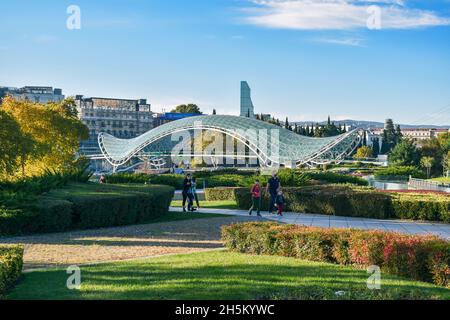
(214, 112)
(432, 148)
(391, 136)
(427, 162)
(187, 108)
(446, 164)
(364, 152)
(376, 147)
(404, 154)
(444, 142)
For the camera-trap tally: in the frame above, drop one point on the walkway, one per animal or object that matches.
(326, 221)
(122, 243)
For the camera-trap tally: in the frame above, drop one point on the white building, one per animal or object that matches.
(33, 94)
(122, 118)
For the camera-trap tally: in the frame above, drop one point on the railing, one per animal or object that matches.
(421, 184)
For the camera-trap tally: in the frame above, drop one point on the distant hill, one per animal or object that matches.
(369, 124)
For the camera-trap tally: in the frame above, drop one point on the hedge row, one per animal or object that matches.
(330, 200)
(220, 194)
(421, 207)
(341, 200)
(82, 206)
(11, 262)
(423, 258)
(399, 173)
(234, 178)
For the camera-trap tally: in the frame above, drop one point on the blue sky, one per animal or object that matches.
(302, 58)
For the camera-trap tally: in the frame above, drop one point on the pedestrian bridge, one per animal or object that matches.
(271, 144)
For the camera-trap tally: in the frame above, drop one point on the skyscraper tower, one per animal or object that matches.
(246, 101)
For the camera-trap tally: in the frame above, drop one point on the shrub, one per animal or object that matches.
(332, 177)
(219, 194)
(424, 258)
(81, 206)
(421, 207)
(331, 200)
(173, 180)
(11, 262)
(399, 173)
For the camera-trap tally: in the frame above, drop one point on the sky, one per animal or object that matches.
(305, 59)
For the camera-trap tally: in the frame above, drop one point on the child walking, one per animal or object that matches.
(256, 199)
(280, 202)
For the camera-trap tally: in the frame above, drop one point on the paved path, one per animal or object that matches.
(122, 243)
(319, 220)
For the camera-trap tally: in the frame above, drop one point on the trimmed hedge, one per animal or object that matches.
(421, 207)
(236, 178)
(399, 173)
(423, 258)
(89, 205)
(219, 194)
(11, 262)
(330, 200)
(341, 200)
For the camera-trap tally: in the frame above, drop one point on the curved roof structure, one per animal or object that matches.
(270, 143)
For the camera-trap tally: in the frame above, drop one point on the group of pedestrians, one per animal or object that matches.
(273, 189)
(189, 193)
(277, 199)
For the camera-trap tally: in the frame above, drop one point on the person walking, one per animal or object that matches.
(256, 199)
(272, 188)
(190, 199)
(194, 192)
(187, 185)
(281, 202)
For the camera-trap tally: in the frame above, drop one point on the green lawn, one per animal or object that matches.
(219, 275)
(225, 204)
(442, 179)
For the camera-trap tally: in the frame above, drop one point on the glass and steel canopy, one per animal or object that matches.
(272, 144)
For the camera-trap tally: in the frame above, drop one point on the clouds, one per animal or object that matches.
(352, 42)
(338, 14)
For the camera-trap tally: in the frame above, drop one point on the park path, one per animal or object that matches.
(327, 221)
(122, 243)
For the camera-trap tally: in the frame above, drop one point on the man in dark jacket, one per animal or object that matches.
(187, 185)
(272, 188)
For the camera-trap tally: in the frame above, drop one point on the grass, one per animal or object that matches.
(223, 204)
(442, 179)
(219, 275)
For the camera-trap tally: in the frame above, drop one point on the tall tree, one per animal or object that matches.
(187, 108)
(55, 130)
(405, 154)
(427, 162)
(446, 164)
(10, 137)
(376, 147)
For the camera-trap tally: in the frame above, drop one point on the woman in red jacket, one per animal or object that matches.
(256, 198)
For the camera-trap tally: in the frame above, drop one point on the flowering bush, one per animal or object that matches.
(424, 258)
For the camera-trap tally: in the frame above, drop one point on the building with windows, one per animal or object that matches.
(121, 118)
(416, 134)
(33, 94)
(247, 109)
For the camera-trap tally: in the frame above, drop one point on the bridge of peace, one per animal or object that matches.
(271, 145)
(291, 149)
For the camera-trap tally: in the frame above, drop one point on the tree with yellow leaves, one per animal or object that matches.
(51, 134)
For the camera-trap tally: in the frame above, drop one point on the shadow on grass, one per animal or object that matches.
(219, 275)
